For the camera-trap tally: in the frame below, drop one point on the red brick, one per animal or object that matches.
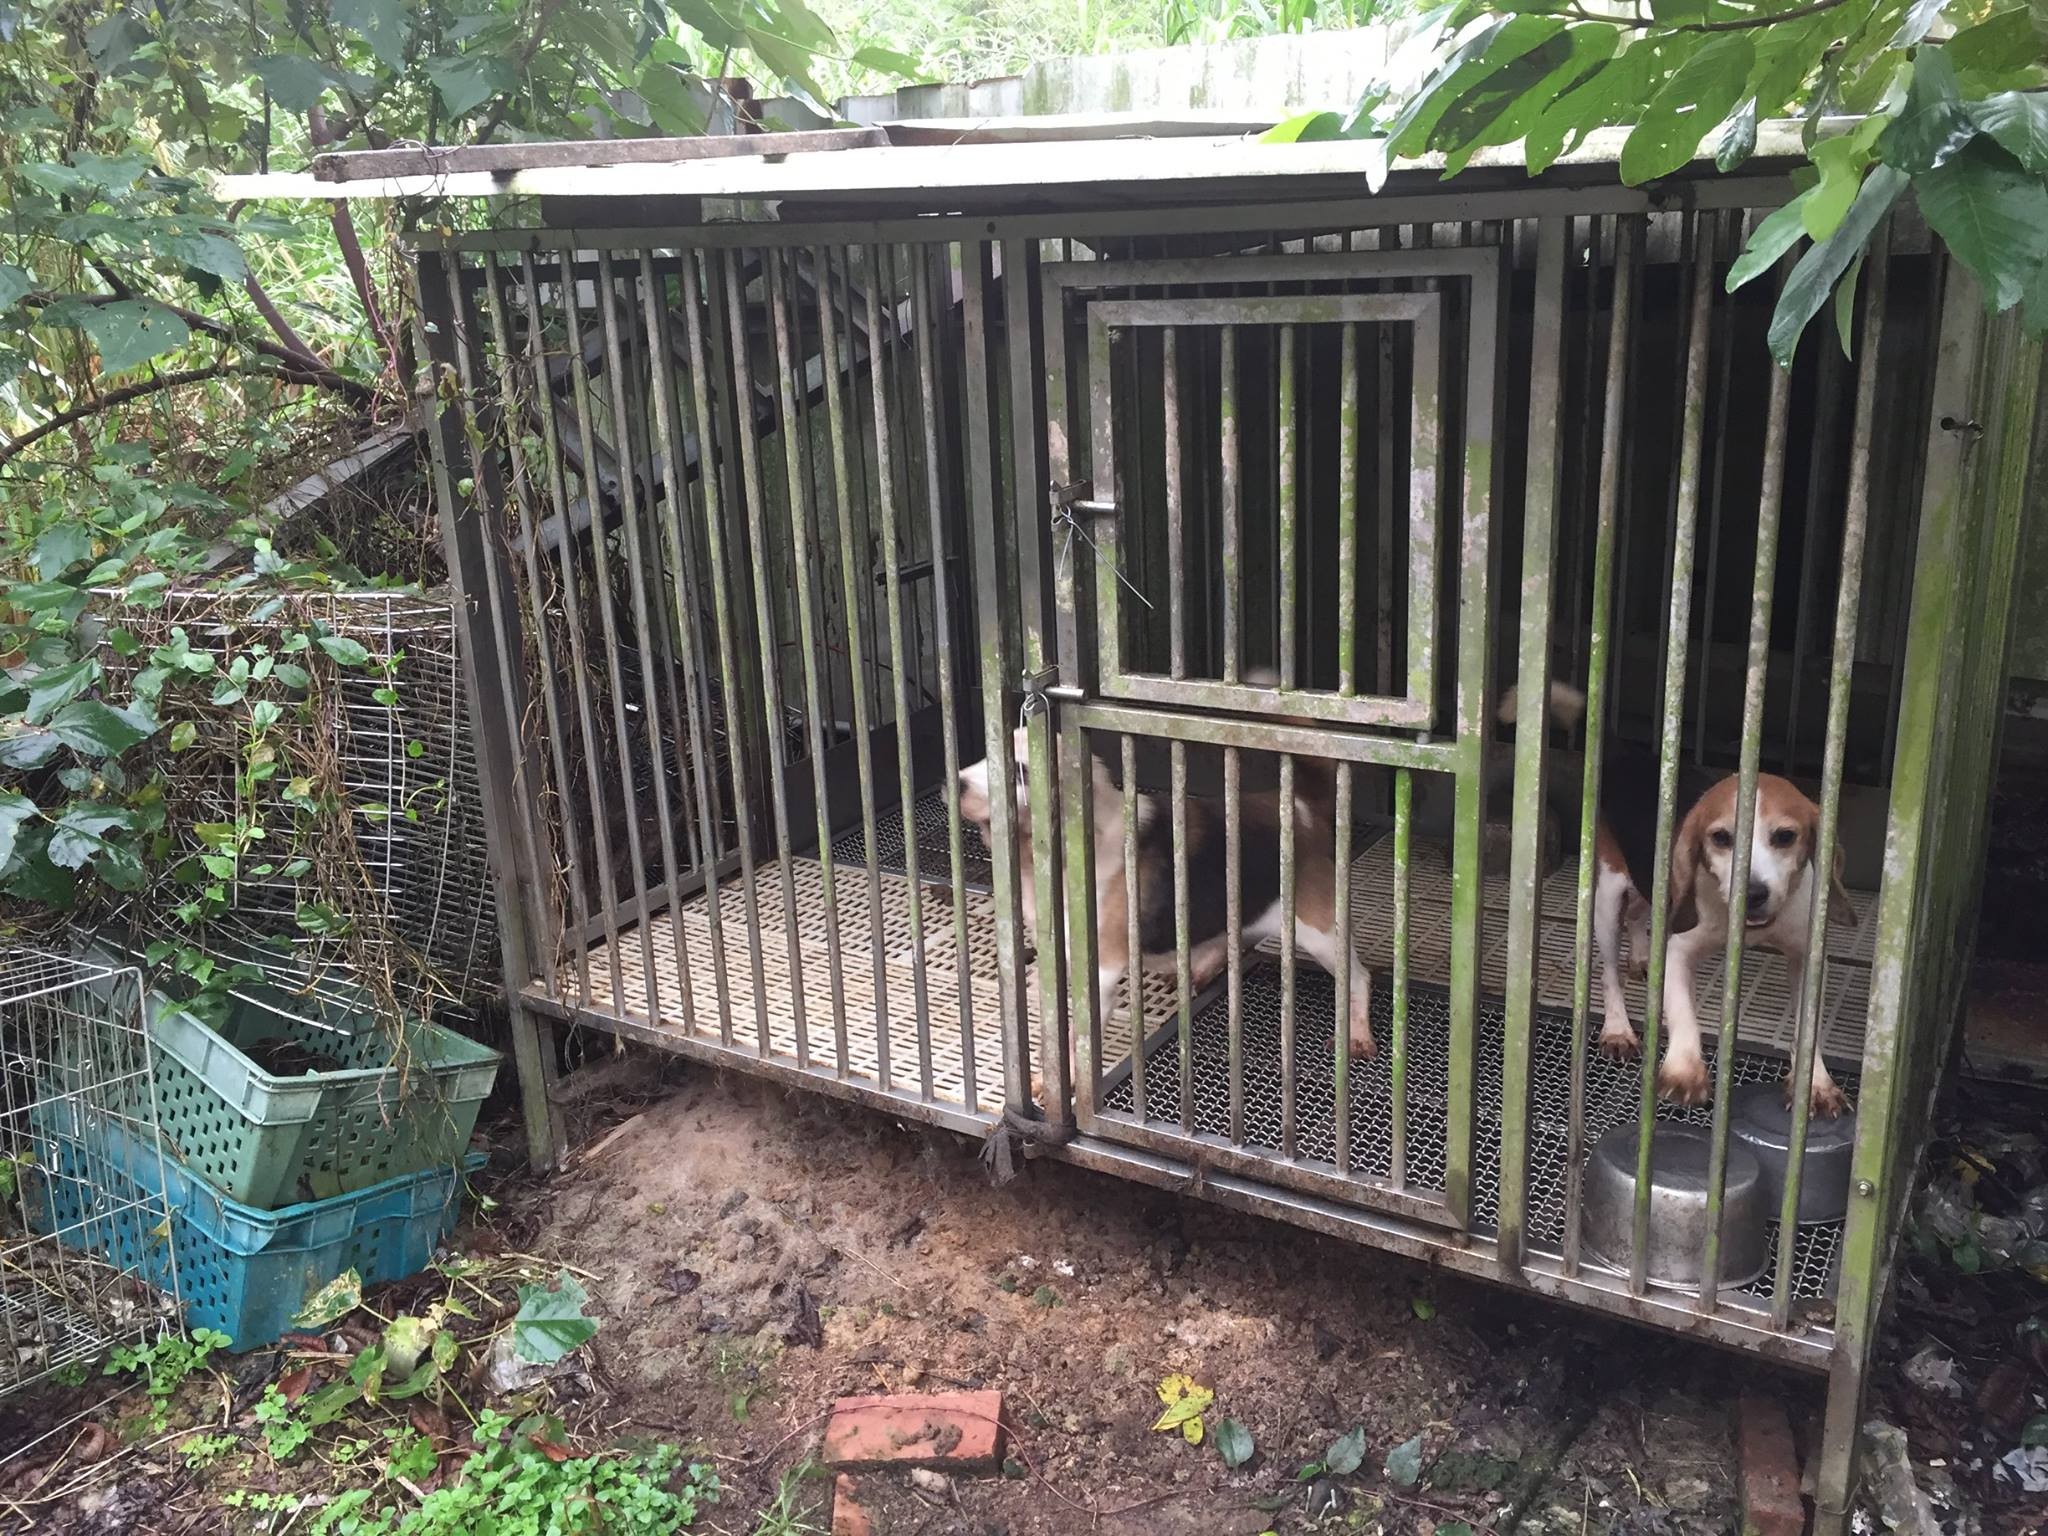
(958, 1431)
(848, 1518)
(1771, 1505)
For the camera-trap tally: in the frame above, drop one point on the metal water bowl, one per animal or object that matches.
(1762, 1122)
(1678, 1206)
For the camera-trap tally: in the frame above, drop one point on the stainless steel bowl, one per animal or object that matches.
(1762, 1121)
(1678, 1206)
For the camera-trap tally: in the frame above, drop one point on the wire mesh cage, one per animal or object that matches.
(395, 736)
(75, 1092)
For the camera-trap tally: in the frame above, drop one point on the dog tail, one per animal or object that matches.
(1567, 706)
(1315, 778)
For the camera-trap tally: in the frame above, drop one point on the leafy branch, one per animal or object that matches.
(1950, 96)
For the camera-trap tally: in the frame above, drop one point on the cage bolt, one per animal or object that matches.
(1865, 1188)
(1961, 428)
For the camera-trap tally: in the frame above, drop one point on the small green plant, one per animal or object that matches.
(788, 1513)
(165, 1366)
(203, 1451)
(285, 1429)
(520, 1479)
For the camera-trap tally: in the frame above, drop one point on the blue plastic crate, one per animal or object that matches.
(243, 1272)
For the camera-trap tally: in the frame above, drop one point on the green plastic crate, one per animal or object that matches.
(395, 1102)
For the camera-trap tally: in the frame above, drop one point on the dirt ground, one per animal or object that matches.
(750, 1255)
(755, 1255)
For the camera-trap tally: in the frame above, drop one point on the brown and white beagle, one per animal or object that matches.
(1258, 877)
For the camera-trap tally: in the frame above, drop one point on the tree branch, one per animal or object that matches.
(305, 368)
(496, 116)
(352, 247)
(141, 387)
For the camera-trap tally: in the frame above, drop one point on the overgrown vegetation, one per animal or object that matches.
(1949, 93)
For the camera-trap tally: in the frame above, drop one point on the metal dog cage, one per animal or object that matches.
(1189, 458)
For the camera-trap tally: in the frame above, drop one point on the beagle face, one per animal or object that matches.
(1781, 845)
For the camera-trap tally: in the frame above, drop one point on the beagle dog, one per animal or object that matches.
(1258, 878)
(1781, 893)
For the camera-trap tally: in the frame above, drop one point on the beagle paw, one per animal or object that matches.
(1618, 1042)
(1684, 1080)
(1363, 1046)
(1828, 1101)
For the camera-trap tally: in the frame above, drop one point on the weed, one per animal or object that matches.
(789, 1513)
(165, 1366)
(519, 1479)
(203, 1451)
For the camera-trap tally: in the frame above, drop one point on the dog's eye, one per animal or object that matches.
(1784, 837)
(1722, 837)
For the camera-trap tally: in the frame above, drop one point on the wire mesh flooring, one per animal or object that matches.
(1611, 1099)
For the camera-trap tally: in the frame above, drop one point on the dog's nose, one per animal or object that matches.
(1759, 896)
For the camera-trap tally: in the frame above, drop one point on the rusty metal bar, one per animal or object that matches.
(1232, 462)
(1404, 822)
(1770, 506)
(1347, 517)
(593, 491)
(1600, 640)
(788, 363)
(1233, 929)
(1678, 633)
(1183, 981)
(771, 665)
(530, 519)
(1834, 748)
(942, 606)
(1134, 940)
(1340, 880)
(1176, 532)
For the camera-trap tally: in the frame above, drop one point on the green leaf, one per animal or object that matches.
(550, 1322)
(1699, 94)
(341, 649)
(89, 727)
(1486, 52)
(331, 1303)
(15, 808)
(81, 832)
(2035, 1431)
(1738, 138)
(1934, 126)
(2018, 120)
(1308, 128)
(129, 332)
(60, 547)
(1997, 49)
(788, 59)
(383, 24)
(1609, 94)
(1233, 1444)
(1919, 22)
(1994, 216)
(1841, 166)
(1502, 108)
(1404, 1463)
(1812, 280)
(14, 283)
(183, 734)
(292, 675)
(53, 688)
(23, 750)
(1346, 1453)
(677, 103)
(888, 61)
(1845, 306)
(294, 81)
(407, 1339)
(467, 81)
(1776, 235)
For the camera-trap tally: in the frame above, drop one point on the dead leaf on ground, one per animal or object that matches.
(93, 1443)
(292, 1385)
(806, 1328)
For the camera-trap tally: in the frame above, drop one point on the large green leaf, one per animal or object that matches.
(1490, 49)
(1998, 51)
(294, 81)
(1738, 138)
(1841, 165)
(1776, 235)
(888, 61)
(80, 832)
(1818, 270)
(54, 687)
(1920, 19)
(89, 727)
(15, 808)
(1934, 126)
(1308, 128)
(469, 80)
(2018, 120)
(1994, 216)
(14, 284)
(1503, 108)
(1608, 95)
(677, 103)
(129, 332)
(383, 24)
(550, 1322)
(1699, 94)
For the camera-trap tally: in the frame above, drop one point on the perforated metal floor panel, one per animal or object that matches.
(934, 859)
(1611, 1098)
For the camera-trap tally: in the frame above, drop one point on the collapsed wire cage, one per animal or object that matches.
(1228, 479)
(397, 735)
(76, 1099)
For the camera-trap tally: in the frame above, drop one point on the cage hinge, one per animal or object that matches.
(1078, 500)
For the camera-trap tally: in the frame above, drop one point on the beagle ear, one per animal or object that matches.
(1842, 904)
(1685, 870)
